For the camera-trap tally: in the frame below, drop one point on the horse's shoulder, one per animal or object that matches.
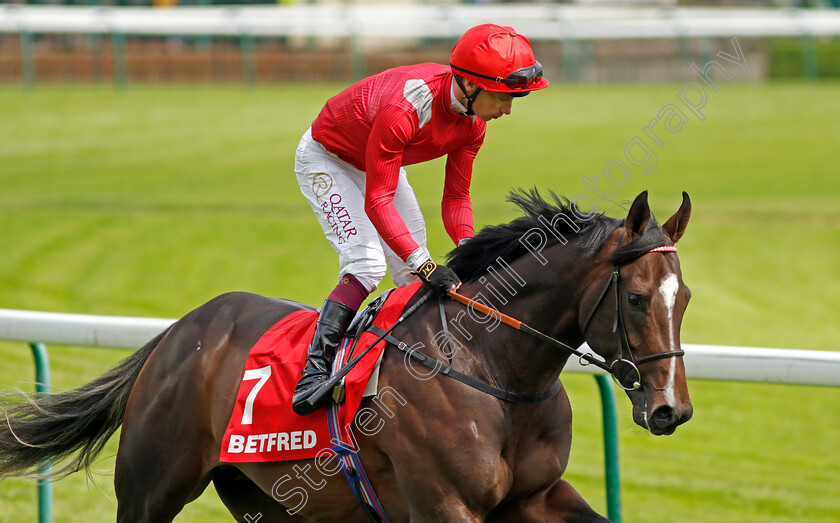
(548, 428)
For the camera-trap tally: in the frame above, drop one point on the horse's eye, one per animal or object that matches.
(636, 300)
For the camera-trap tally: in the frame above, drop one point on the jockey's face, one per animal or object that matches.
(489, 105)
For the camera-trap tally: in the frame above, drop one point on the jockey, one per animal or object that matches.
(349, 166)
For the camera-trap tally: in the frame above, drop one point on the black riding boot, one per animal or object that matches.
(333, 321)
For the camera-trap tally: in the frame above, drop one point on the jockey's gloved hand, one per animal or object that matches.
(440, 278)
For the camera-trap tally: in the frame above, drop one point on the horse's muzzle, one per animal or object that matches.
(665, 419)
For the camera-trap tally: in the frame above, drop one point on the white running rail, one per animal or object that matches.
(803, 367)
(544, 21)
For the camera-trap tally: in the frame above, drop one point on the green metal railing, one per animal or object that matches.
(608, 411)
(612, 473)
(42, 386)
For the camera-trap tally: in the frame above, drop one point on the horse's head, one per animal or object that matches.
(632, 316)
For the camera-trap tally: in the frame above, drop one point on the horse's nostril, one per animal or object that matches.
(664, 415)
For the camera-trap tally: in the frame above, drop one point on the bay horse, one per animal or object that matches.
(448, 452)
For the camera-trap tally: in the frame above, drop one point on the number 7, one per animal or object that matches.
(262, 374)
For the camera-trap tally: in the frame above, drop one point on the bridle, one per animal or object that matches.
(622, 367)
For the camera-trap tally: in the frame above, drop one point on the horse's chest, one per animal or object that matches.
(491, 479)
(494, 470)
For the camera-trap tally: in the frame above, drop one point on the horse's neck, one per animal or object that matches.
(543, 297)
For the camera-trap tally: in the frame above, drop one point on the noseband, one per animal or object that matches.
(625, 369)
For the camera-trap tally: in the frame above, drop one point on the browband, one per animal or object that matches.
(664, 248)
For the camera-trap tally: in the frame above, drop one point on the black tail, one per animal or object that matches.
(55, 426)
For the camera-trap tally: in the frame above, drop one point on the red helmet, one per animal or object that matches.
(497, 58)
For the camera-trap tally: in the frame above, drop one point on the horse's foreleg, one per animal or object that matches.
(563, 503)
(560, 503)
(447, 511)
(434, 500)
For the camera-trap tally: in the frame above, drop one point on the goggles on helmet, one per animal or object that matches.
(520, 79)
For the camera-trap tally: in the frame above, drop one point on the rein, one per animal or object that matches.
(520, 326)
(621, 368)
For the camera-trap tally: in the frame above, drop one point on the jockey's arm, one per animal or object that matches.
(388, 138)
(456, 205)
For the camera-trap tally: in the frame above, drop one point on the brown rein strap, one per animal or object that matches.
(484, 309)
(518, 325)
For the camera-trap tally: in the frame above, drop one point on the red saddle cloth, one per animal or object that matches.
(263, 426)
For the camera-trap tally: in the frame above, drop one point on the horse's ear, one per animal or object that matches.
(638, 217)
(676, 224)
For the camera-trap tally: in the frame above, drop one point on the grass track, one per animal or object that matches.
(152, 200)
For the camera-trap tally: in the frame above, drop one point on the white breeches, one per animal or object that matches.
(336, 191)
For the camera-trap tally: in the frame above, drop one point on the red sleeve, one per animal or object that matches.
(456, 206)
(392, 129)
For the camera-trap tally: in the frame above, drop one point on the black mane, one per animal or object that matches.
(588, 231)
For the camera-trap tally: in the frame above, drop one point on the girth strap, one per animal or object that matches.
(347, 455)
(486, 388)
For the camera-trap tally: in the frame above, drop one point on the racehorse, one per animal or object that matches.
(448, 452)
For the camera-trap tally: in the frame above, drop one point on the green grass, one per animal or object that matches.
(152, 200)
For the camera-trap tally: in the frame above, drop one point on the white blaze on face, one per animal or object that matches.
(668, 289)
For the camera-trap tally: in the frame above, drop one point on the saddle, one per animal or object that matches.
(262, 426)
